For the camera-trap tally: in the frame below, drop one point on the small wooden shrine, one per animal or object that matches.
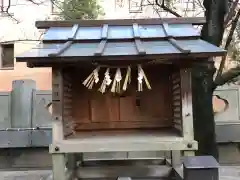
(120, 85)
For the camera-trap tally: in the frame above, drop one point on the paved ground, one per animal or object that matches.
(226, 173)
(230, 173)
(25, 175)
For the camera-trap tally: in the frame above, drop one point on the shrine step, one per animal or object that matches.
(136, 171)
(129, 178)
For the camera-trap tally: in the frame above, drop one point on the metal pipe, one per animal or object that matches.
(26, 129)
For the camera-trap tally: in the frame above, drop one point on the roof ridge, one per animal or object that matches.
(121, 22)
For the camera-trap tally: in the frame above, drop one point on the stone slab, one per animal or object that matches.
(226, 173)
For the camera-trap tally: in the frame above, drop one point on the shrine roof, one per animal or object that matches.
(67, 41)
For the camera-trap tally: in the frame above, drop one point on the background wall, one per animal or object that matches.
(42, 76)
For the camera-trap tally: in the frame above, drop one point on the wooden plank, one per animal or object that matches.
(123, 124)
(100, 48)
(175, 43)
(166, 30)
(137, 39)
(177, 115)
(140, 47)
(102, 44)
(136, 33)
(104, 108)
(177, 103)
(175, 86)
(176, 80)
(178, 127)
(176, 99)
(128, 109)
(176, 92)
(177, 120)
(74, 32)
(59, 51)
(121, 22)
(172, 40)
(119, 141)
(177, 109)
(105, 112)
(124, 162)
(126, 171)
(81, 104)
(105, 31)
(75, 146)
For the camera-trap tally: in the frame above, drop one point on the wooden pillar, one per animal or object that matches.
(200, 167)
(58, 160)
(58, 168)
(187, 112)
(175, 159)
(203, 119)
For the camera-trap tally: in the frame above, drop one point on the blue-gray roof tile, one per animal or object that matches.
(123, 48)
(162, 40)
(121, 32)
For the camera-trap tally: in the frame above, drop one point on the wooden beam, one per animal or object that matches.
(79, 145)
(165, 58)
(120, 22)
(102, 44)
(57, 108)
(67, 44)
(58, 168)
(74, 32)
(63, 48)
(173, 41)
(137, 39)
(104, 34)
(123, 162)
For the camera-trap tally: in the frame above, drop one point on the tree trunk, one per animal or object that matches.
(204, 124)
(215, 13)
(202, 80)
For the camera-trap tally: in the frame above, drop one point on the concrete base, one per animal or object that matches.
(18, 158)
(229, 154)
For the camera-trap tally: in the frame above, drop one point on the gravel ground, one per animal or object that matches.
(226, 173)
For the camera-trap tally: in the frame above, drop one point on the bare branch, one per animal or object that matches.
(231, 13)
(36, 3)
(5, 9)
(227, 77)
(200, 4)
(229, 39)
(165, 8)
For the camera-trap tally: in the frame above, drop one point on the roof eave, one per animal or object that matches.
(121, 22)
(169, 58)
